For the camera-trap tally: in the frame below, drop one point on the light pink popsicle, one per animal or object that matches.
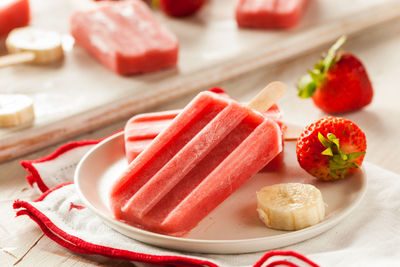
(125, 37)
(270, 14)
(207, 152)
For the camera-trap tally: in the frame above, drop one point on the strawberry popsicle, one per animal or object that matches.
(13, 14)
(269, 14)
(212, 147)
(125, 37)
(141, 129)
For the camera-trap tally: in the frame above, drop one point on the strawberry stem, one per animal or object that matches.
(339, 162)
(334, 54)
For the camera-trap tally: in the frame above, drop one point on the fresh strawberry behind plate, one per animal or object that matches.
(181, 8)
(331, 148)
(339, 83)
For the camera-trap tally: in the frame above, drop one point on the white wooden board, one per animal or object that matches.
(80, 95)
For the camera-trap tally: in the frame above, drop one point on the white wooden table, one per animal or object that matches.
(22, 242)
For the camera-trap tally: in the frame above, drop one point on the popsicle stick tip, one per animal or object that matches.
(15, 59)
(268, 96)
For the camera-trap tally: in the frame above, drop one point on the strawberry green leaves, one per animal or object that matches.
(339, 162)
(309, 83)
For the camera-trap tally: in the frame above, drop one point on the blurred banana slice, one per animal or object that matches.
(45, 46)
(15, 109)
(290, 206)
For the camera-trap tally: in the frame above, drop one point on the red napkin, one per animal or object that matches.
(62, 217)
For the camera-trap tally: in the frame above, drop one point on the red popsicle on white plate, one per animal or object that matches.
(125, 37)
(269, 14)
(211, 148)
(141, 129)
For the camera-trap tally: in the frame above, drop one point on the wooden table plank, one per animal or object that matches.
(51, 254)
(17, 235)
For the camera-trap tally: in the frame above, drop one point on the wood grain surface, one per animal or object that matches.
(79, 95)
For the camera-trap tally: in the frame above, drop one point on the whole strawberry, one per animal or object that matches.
(331, 148)
(181, 8)
(338, 83)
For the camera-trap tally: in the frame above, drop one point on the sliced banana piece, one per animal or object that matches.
(15, 109)
(45, 45)
(290, 206)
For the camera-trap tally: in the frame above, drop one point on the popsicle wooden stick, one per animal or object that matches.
(268, 96)
(292, 132)
(15, 59)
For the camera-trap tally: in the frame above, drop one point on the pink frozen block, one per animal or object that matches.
(125, 37)
(270, 14)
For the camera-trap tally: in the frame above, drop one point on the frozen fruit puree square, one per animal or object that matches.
(125, 37)
(211, 148)
(270, 14)
(13, 14)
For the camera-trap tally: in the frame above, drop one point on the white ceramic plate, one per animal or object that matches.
(233, 227)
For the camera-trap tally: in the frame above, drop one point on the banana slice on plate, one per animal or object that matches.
(290, 206)
(45, 46)
(15, 109)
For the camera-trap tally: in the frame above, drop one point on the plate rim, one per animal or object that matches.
(319, 228)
